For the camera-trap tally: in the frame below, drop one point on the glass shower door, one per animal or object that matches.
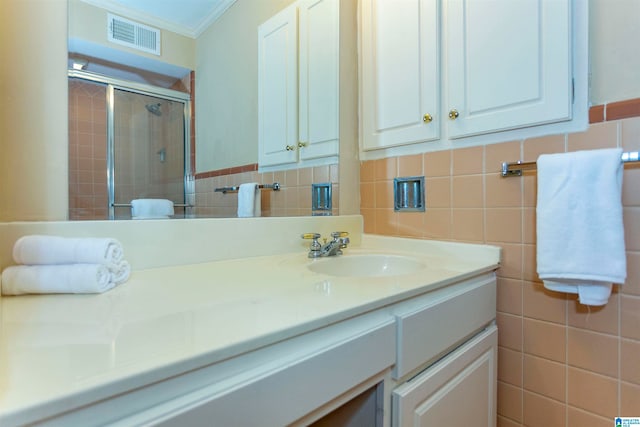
(148, 151)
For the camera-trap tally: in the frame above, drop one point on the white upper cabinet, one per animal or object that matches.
(319, 79)
(298, 102)
(400, 72)
(508, 64)
(505, 66)
(278, 88)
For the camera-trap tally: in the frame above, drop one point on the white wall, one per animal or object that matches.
(614, 34)
(227, 86)
(33, 110)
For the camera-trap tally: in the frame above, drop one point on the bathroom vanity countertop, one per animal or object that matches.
(64, 351)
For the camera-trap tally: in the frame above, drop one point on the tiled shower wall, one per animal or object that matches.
(87, 151)
(140, 138)
(294, 198)
(88, 198)
(559, 363)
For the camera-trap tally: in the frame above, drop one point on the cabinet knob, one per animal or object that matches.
(453, 114)
(290, 147)
(302, 144)
(427, 118)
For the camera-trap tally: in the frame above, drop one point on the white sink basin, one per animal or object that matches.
(368, 265)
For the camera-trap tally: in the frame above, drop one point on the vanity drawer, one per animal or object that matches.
(441, 320)
(468, 374)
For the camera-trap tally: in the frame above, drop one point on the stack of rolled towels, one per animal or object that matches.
(53, 264)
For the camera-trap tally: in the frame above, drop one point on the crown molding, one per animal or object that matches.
(193, 30)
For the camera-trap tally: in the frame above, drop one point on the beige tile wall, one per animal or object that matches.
(294, 198)
(87, 151)
(560, 363)
(139, 134)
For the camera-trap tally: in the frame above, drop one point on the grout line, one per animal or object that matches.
(450, 237)
(619, 319)
(566, 360)
(522, 263)
(484, 195)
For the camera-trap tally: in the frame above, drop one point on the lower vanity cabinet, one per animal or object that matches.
(293, 383)
(458, 390)
(432, 325)
(427, 360)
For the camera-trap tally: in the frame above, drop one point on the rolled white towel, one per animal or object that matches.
(37, 250)
(120, 272)
(56, 279)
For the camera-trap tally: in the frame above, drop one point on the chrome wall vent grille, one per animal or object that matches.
(133, 34)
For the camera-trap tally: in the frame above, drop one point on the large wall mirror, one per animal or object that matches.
(181, 123)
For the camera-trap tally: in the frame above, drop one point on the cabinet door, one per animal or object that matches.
(508, 64)
(278, 88)
(459, 390)
(399, 78)
(318, 74)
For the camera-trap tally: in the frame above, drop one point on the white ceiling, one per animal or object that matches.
(186, 17)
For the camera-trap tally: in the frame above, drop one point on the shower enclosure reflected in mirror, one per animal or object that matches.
(126, 141)
(220, 64)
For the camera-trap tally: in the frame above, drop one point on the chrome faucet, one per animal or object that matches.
(331, 248)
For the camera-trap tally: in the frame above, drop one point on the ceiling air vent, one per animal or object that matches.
(133, 34)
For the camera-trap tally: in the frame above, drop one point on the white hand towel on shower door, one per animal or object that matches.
(580, 233)
(151, 208)
(249, 204)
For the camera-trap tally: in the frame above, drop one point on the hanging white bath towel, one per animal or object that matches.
(249, 200)
(580, 233)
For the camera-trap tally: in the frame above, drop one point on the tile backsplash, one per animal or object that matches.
(293, 199)
(560, 363)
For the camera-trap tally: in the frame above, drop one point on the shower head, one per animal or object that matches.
(154, 109)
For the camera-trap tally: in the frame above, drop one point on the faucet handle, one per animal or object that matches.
(341, 238)
(314, 236)
(339, 234)
(314, 249)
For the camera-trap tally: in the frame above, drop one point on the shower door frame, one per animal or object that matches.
(167, 94)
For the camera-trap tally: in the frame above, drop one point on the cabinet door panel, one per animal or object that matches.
(399, 72)
(459, 390)
(278, 88)
(508, 64)
(319, 51)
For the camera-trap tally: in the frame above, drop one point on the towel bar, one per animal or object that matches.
(275, 187)
(515, 169)
(128, 205)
